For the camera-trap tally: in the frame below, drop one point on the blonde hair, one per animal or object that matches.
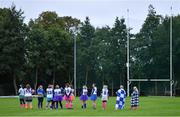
(28, 86)
(57, 86)
(135, 88)
(105, 86)
(84, 87)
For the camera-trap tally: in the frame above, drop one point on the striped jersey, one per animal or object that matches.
(27, 92)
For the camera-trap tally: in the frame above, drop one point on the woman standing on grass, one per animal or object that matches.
(94, 95)
(84, 96)
(104, 96)
(120, 100)
(67, 96)
(135, 98)
(49, 96)
(28, 96)
(40, 93)
(57, 97)
(21, 97)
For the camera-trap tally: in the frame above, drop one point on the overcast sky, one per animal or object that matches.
(101, 12)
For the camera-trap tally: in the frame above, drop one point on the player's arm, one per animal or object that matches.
(69, 93)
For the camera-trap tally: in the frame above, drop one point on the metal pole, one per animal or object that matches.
(127, 52)
(74, 65)
(171, 77)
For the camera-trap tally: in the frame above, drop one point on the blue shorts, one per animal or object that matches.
(93, 97)
(83, 97)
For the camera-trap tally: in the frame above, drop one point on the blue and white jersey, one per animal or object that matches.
(57, 92)
(104, 94)
(94, 91)
(84, 91)
(40, 92)
(62, 91)
(49, 92)
(135, 98)
(27, 92)
(121, 93)
(21, 92)
(120, 100)
(68, 91)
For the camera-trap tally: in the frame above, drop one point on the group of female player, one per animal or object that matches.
(55, 95)
(93, 97)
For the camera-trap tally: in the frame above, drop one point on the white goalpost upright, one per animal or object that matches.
(75, 65)
(127, 64)
(171, 77)
(170, 80)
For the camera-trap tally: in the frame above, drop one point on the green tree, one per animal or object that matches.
(85, 51)
(104, 65)
(117, 50)
(12, 35)
(35, 48)
(50, 46)
(144, 39)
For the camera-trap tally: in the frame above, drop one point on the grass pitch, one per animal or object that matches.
(149, 106)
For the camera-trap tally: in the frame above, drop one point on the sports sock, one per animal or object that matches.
(26, 106)
(67, 105)
(70, 105)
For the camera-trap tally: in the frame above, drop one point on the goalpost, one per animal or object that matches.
(170, 80)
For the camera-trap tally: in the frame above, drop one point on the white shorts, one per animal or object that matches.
(104, 98)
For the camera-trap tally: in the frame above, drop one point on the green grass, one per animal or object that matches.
(149, 106)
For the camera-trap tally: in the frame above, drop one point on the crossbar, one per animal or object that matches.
(153, 80)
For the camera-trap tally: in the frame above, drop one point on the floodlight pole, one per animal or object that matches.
(171, 77)
(75, 65)
(127, 64)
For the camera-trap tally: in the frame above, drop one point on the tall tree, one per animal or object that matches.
(35, 48)
(117, 49)
(50, 45)
(85, 52)
(12, 35)
(145, 37)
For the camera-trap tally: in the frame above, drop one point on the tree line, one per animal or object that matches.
(41, 52)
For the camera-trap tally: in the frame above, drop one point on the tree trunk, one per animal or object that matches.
(36, 79)
(156, 88)
(87, 71)
(121, 76)
(112, 88)
(54, 76)
(139, 87)
(14, 83)
(69, 74)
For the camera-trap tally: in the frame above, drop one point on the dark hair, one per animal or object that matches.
(49, 86)
(67, 84)
(40, 86)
